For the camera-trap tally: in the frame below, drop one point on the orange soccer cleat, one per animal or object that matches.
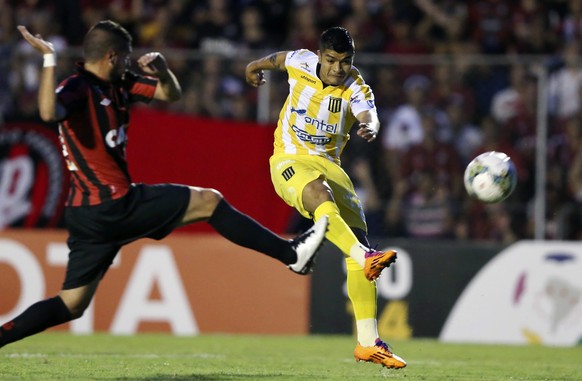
(379, 353)
(376, 261)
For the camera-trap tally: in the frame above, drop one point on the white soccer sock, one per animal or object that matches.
(358, 253)
(367, 332)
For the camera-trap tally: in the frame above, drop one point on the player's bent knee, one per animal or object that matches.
(203, 202)
(77, 313)
(315, 193)
(76, 309)
(211, 197)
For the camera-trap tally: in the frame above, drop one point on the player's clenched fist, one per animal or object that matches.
(153, 63)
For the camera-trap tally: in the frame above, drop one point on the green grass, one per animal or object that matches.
(58, 356)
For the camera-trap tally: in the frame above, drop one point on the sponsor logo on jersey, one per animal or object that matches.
(321, 125)
(300, 111)
(288, 173)
(334, 105)
(304, 66)
(306, 137)
(308, 79)
(116, 137)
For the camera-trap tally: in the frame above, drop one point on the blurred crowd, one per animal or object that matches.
(436, 114)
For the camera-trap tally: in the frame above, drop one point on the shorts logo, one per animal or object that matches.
(335, 104)
(288, 173)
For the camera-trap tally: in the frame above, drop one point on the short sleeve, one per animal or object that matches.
(140, 88)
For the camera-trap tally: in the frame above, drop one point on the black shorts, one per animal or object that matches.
(96, 233)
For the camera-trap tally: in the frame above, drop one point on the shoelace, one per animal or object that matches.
(381, 344)
(302, 237)
(372, 251)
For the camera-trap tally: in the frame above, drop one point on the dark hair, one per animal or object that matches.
(337, 39)
(104, 36)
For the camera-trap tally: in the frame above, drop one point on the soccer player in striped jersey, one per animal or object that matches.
(327, 96)
(105, 210)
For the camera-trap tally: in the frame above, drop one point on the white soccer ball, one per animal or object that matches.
(490, 177)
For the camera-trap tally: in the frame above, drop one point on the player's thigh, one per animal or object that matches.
(88, 260)
(345, 196)
(290, 175)
(151, 211)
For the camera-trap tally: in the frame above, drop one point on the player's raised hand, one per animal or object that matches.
(255, 77)
(36, 41)
(368, 131)
(153, 63)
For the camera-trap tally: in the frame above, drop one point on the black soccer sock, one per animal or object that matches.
(245, 231)
(35, 319)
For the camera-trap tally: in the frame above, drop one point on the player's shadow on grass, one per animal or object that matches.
(208, 377)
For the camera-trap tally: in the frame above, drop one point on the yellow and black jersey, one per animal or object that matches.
(316, 120)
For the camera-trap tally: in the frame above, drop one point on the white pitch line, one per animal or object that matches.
(112, 355)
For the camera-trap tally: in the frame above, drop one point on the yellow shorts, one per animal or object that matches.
(291, 173)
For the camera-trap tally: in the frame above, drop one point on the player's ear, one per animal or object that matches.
(318, 55)
(111, 56)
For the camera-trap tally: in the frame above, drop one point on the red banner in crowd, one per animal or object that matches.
(232, 157)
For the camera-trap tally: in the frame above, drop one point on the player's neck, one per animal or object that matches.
(319, 76)
(98, 70)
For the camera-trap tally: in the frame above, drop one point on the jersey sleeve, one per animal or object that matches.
(71, 94)
(362, 98)
(293, 57)
(139, 87)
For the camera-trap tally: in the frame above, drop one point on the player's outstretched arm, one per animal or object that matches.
(155, 64)
(255, 70)
(369, 125)
(47, 103)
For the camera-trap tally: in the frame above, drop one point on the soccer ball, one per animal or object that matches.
(490, 177)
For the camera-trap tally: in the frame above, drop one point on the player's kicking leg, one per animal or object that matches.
(298, 254)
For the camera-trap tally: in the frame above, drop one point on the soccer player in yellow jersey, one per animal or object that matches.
(327, 96)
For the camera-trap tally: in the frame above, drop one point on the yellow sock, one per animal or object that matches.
(362, 294)
(361, 291)
(339, 233)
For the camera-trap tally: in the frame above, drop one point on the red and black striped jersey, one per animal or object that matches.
(94, 130)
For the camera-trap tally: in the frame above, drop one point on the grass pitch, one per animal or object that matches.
(60, 356)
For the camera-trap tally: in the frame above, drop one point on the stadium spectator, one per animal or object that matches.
(569, 27)
(303, 28)
(448, 86)
(404, 127)
(444, 22)
(105, 210)
(564, 84)
(7, 48)
(432, 155)
(490, 22)
(531, 29)
(491, 222)
(428, 209)
(466, 136)
(507, 102)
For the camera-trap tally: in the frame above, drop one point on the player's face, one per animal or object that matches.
(335, 66)
(121, 62)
